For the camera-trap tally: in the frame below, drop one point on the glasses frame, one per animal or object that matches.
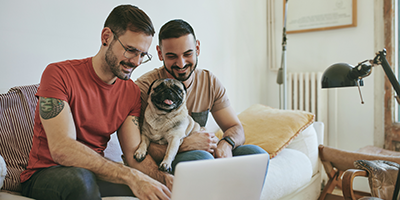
(149, 56)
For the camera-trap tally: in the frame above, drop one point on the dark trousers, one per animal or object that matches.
(60, 182)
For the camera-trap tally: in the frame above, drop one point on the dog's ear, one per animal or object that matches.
(151, 85)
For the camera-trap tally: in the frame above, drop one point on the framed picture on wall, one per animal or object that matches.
(316, 15)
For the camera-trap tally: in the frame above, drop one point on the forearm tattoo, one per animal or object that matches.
(50, 107)
(135, 120)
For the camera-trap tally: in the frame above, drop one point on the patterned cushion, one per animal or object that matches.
(17, 111)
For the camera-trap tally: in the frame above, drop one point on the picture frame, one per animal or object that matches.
(322, 15)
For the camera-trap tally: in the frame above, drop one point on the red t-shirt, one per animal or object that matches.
(98, 109)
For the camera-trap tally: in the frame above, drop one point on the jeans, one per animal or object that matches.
(203, 155)
(60, 182)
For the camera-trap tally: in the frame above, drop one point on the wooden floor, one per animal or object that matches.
(337, 192)
(333, 197)
(336, 195)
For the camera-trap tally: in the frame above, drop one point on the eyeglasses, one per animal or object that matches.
(133, 52)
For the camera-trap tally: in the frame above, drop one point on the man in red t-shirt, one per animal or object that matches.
(81, 103)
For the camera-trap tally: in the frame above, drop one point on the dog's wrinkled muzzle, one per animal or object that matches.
(167, 99)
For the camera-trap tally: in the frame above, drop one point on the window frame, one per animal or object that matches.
(391, 126)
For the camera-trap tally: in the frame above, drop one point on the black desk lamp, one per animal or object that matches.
(345, 75)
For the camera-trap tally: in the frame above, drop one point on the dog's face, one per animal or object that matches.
(167, 94)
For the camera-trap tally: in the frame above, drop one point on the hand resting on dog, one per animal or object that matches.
(200, 140)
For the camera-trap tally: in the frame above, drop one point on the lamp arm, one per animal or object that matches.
(381, 56)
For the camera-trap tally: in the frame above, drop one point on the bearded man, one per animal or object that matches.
(81, 103)
(179, 50)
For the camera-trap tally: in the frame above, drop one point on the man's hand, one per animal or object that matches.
(148, 188)
(168, 180)
(224, 150)
(201, 140)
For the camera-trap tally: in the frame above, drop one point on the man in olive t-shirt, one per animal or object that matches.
(179, 51)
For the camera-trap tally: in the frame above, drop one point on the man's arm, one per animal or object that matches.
(229, 123)
(201, 140)
(59, 126)
(129, 138)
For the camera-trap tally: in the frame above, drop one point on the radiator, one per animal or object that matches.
(305, 93)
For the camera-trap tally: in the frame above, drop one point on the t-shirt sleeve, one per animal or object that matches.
(135, 111)
(221, 99)
(54, 83)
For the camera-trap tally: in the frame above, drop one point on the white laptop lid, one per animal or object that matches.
(237, 178)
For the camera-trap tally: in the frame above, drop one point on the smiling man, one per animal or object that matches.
(179, 50)
(81, 103)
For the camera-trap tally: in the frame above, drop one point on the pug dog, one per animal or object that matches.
(166, 120)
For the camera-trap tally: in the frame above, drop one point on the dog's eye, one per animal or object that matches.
(159, 87)
(178, 89)
(156, 89)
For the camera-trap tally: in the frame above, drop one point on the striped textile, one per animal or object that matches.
(17, 112)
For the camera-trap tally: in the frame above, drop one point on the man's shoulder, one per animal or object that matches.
(205, 75)
(149, 77)
(69, 64)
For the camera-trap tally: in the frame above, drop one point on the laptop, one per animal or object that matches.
(237, 178)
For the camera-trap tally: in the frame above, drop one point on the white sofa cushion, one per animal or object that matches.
(3, 171)
(113, 150)
(288, 171)
(307, 142)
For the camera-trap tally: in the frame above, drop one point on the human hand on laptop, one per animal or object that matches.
(168, 180)
(147, 188)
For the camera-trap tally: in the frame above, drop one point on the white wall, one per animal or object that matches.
(231, 33)
(350, 123)
(233, 45)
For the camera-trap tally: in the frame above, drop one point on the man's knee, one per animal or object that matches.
(247, 150)
(191, 155)
(83, 184)
(194, 155)
(60, 182)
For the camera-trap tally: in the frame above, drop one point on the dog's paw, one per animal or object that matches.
(165, 167)
(139, 156)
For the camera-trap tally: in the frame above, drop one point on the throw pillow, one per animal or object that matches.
(270, 128)
(17, 111)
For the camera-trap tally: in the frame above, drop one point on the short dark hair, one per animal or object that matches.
(175, 29)
(124, 17)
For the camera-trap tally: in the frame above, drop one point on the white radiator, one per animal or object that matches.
(305, 93)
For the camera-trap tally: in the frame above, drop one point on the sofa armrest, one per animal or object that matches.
(319, 128)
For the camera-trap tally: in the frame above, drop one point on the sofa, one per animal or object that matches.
(290, 137)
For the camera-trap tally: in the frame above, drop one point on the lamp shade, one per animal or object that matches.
(339, 75)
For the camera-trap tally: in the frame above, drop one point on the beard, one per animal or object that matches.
(115, 67)
(182, 76)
